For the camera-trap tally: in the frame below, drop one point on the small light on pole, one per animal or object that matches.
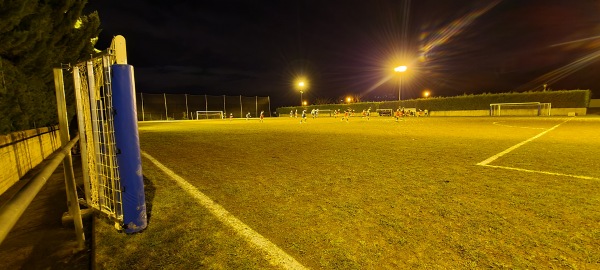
(301, 86)
(304, 103)
(400, 69)
(426, 93)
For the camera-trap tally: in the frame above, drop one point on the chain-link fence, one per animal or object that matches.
(183, 106)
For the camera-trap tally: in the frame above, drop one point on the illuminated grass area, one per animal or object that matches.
(370, 194)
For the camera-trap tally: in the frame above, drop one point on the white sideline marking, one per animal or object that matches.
(502, 125)
(273, 253)
(550, 173)
(494, 157)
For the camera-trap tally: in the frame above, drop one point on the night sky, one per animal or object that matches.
(350, 47)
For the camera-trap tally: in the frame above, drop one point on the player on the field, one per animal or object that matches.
(369, 113)
(230, 116)
(262, 116)
(247, 116)
(397, 114)
(303, 116)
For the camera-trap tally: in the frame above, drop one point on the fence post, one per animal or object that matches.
(68, 161)
(241, 108)
(187, 111)
(269, 99)
(166, 112)
(256, 103)
(143, 114)
(224, 106)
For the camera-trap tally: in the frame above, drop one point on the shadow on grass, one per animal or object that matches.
(149, 191)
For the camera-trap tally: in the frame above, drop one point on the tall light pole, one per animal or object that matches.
(400, 70)
(301, 86)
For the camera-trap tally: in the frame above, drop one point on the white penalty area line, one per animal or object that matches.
(486, 162)
(510, 149)
(543, 172)
(502, 125)
(273, 254)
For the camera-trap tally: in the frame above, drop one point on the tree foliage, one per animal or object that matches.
(35, 37)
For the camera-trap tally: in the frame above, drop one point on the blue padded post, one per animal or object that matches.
(128, 145)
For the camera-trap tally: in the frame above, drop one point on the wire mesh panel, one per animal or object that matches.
(154, 107)
(176, 107)
(215, 103)
(196, 103)
(183, 106)
(249, 106)
(263, 104)
(94, 101)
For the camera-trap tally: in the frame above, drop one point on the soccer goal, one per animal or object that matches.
(520, 109)
(384, 112)
(209, 115)
(324, 113)
(110, 151)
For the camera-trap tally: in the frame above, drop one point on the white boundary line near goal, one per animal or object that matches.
(510, 149)
(489, 160)
(543, 172)
(273, 254)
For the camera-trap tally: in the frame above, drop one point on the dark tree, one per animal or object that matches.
(35, 37)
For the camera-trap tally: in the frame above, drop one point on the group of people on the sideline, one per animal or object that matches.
(400, 112)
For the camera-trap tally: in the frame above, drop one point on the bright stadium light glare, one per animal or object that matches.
(426, 93)
(400, 69)
(304, 103)
(301, 85)
(348, 99)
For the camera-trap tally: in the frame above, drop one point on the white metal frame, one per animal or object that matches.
(206, 113)
(544, 109)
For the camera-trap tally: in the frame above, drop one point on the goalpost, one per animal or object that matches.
(385, 112)
(209, 115)
(520, 109)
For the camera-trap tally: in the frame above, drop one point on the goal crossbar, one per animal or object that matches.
(521, 103)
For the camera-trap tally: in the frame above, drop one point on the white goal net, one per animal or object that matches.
(209, 115)
(385, 112)
(520, 109)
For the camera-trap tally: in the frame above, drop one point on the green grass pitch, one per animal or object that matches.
(374, 194)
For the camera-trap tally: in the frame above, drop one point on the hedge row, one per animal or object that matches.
(558, 99)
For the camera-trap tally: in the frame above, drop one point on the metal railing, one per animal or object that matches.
(16, 206)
